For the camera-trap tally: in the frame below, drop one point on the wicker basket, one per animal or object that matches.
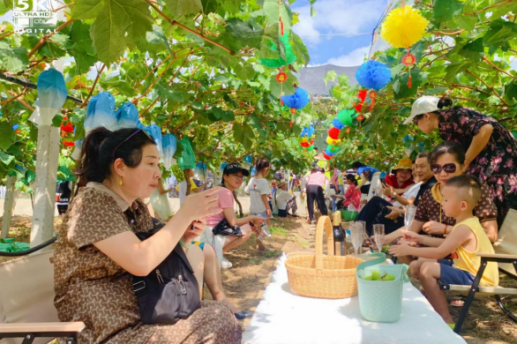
(323, 276)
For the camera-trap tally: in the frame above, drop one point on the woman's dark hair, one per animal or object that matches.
(234, 194)
(357, 165)
(261, 164)
(444, 103)
(352, 178)
(102, 147)
(450, 147)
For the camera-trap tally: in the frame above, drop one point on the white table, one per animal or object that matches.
(285, 318)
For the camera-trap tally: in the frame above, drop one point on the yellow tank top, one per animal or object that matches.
(468, 261)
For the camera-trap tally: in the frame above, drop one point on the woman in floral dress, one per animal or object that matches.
(490, 147)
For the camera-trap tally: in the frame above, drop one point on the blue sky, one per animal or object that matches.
(338, 17)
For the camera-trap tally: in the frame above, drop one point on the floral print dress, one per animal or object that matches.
(496, 164)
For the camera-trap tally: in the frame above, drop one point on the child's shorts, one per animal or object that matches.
(454, 276)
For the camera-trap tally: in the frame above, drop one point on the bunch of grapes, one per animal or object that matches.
(201, 137)
(178, 173)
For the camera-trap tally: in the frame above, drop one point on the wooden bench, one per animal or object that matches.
(27, 309)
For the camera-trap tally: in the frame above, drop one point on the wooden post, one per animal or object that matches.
(8, 205)
(45, 187)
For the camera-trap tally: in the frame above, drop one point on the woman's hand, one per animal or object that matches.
(200, 205)
(400, 249)
(412, 237)
(195, 230)
(388, 191)
(395, 212)
(433, 228)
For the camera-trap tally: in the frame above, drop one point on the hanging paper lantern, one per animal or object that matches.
(248, 159)
(67, 128)
(281, 77)
(332, 141)
(337, 124)
(156, 133)
(347, 116)
(408, 59)
(127, 117)
(307, 131)
(403, 27)
(15, 127)
(326, 156)
(100, 112)
(68, 143)
(407, 138)
(52, 93)
(296, 101)
(309, 149)
(333, 149)
(334, 133)
(169, 149)
(373, 75)
(253, 172)
(307, 144)
(290, 56)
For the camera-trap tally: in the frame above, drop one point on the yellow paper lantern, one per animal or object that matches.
(305, 139)
(332, 141)
(404, 27)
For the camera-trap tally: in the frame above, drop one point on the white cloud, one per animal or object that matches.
(337, 16)
(354, 58)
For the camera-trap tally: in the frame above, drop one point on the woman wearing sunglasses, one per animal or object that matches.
(490, 147)
(447, 161)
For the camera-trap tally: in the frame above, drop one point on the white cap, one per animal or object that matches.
(424, 104)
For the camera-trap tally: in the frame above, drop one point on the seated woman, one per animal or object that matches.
(97, 250)
(233, 176)
(401, 178)
(381, 211)
(352, 196)
(447, 161)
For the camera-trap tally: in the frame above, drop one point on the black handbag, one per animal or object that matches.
(170, 292)
(225, 229)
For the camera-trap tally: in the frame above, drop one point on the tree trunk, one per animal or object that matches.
(45, 187)
(8, 205)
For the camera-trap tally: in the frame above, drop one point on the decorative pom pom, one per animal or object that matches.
(334, 133)
(347, 116)
(373, 75)
(403, 27)
(333, 149)
(332, 141)
(326, 156)
(298, 100)
(338, 124)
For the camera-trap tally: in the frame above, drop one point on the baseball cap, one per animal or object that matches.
(424, 104)
(235, 168)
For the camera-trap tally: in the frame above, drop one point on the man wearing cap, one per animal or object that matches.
(401, 177)
(490, 147)
(284, 201)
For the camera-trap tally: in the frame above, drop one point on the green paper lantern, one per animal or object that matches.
(289, 55)
(347, 116)
(333, 149)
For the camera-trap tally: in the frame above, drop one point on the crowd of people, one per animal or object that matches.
(108, 237)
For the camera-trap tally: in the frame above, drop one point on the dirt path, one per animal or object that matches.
(247, 280)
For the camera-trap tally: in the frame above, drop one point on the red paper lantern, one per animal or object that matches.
(67, 128)
(334, 132)
(68, 143)
(326, 156)
(362, 94)
(281, 77)
(408, 59)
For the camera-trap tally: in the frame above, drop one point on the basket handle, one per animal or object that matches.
(323, 222)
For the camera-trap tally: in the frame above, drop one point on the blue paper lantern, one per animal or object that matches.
(408, 138)
(127, 116)
(337, 124)
(169, 149)
(253, 171)
(200, 171)
(248, 159)
(329, 153)
(52, 94)
(373, 75)
(101, 112)
(307, 131)
(155, 132)
(298, 100)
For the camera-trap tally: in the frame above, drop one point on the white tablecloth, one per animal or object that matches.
(285, 318)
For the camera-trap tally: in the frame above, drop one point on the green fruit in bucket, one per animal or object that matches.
(368, 278)
(388, 277)
(376, 275)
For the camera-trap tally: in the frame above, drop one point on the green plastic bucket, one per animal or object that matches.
(380, 301)
(349, 216)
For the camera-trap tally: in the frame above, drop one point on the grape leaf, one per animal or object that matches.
(87, 9)
(473, 50)
(13, 59)
(80, 47)
(7, 135)
(466, 22)
(444, 10)
(271, 10)
(455, 68)
(182, 7)
(5, 158)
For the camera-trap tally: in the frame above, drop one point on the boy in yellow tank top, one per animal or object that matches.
(467, 239)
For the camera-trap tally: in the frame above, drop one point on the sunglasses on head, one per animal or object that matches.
(448, 168)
